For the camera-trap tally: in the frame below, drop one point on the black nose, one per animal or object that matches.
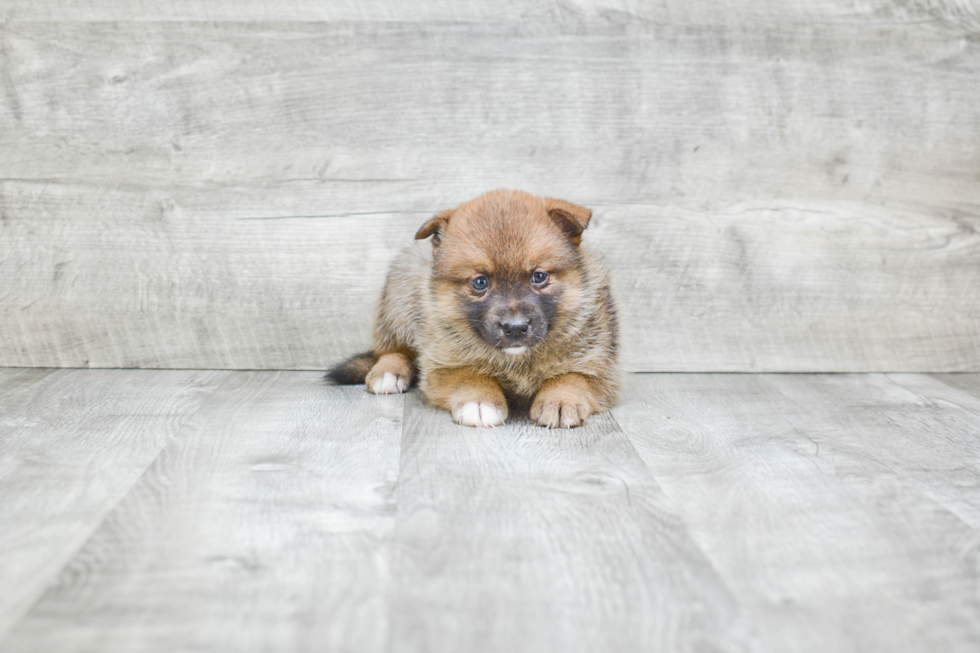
(515, 328)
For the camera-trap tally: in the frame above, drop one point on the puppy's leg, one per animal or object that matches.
(473, 399)
(396, 324)
(565, 401)
(391, 374)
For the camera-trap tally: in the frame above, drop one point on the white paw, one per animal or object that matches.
(389, 384)
(474, 414)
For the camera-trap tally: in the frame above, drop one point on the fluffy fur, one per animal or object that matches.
(537, 333)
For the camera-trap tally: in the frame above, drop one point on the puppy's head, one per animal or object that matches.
(507, 266)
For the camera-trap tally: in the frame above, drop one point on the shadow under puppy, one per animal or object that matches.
(506, 310)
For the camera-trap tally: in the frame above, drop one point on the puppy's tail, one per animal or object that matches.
(352, 371)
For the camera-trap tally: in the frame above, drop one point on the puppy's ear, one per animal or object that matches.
(435, 225)
(572, 219)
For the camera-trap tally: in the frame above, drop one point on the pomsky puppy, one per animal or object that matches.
(506, 310)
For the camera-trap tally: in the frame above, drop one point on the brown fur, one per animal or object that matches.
(450, 388)
(432, 320)
(397, 363)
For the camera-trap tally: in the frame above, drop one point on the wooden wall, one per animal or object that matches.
(778, 186)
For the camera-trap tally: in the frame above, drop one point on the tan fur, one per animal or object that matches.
(565, 401)
(397, 363)
(422, 317)
(452, 388)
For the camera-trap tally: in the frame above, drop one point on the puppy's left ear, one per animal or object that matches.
(435, 226)
(572, 219)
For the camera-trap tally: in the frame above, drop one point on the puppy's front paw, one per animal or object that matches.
(554, 412)
(479, 414)
(564, 401)
(389, 384)
(391, 375)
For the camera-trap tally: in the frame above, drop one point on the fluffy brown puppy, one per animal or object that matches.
(506, 310)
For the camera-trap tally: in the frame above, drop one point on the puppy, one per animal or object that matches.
(506, 310)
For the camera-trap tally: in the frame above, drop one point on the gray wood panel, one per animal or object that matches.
(72, 444)
(801, 198)
(921, 430)
(265, 525)
(396, 117)
(523, 539)
(184, 290)
(942, 13)
(839, 509)
(968, 383)
(835, 287)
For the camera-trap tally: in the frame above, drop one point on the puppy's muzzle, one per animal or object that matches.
(514, 328)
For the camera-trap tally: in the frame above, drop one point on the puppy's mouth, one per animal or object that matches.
(515, 351)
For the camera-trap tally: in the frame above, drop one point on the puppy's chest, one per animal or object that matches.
(525, 381)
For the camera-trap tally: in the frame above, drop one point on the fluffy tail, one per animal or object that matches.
(352, 371)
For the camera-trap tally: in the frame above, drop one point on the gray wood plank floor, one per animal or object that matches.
(148, 510)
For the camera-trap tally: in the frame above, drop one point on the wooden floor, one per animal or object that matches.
(264, 511)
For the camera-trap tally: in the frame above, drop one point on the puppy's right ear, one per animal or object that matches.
(435, 226)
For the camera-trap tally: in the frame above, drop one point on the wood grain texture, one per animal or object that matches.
(520, 538)
(72, 443)
(968, 383)
(962, 14)
(229, 194)
(841, 510)
(263, 526)
(762, 513)
(393, 117)
(820, 287)
(833, 287)
(921, 430)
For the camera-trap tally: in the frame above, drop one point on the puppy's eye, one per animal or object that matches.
(480, 283)
(539, 278)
